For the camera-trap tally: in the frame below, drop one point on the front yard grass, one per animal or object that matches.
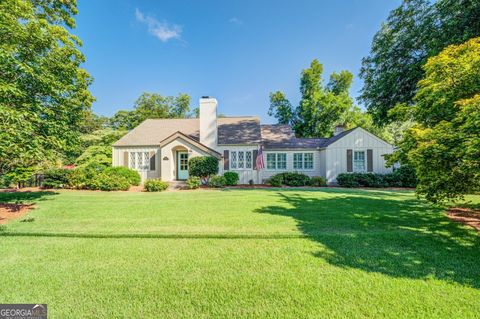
(327, 253)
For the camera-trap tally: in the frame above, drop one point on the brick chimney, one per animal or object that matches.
(338, 129)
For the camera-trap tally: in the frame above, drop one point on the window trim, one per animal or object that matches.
(234, 160)
(354, 169)
(145, 161)
(276, 155)
(303, 161)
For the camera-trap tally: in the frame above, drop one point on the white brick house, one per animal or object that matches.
(161, 148)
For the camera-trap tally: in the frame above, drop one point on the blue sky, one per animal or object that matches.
(236, 51)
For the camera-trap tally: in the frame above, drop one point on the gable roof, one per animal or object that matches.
(180, 135)
(231, 130)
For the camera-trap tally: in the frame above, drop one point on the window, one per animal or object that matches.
(233, 161)
(281, 161)
(297, 160)
(139, 161)
(359, 161)
(241, 160)
(308, 161)
(248, 159)
(277, 161)
(271, 161)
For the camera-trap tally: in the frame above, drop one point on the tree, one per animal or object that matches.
(413, 32)
(444, 147)
(43, 90)
(321, 107)
(152, 106)
(281, 108)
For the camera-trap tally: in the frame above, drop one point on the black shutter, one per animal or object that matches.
(349, 161)
(369, 160)
(152, 160)
(254, 159)
(226, 158)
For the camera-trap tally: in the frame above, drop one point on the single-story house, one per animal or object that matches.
(161, 148)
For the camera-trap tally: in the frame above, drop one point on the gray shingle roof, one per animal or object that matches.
(231, 130)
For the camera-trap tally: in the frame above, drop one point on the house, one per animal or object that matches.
(161, 148)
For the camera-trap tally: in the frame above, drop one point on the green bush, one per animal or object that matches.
(85, 177)
(296, 179)
(275, 180)
(231, 178)
(289, 179)
(203, 167)
(217, 181)
(318, 181)
(193, 182)
(131, 175)
(155, 185)
(5, 181)
(109, 182)
(404, 177)
(56, 178)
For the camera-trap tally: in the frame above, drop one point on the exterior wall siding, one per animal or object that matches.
(117, 159)
(245, 175)
(358, 140)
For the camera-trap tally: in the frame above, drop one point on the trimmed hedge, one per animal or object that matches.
(96, 177)
(110, 182)
(318, 181)
(217, 181)
(203, 167)
(231, 178)
(289, 179)
(155, 185)
(402, 177)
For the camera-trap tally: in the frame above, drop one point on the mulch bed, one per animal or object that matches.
(13, 211)
(465, 216)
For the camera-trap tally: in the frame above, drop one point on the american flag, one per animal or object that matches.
(259, 160)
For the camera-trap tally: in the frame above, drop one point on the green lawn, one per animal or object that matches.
(240, 253)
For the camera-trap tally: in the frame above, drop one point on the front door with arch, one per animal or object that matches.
(182, 165)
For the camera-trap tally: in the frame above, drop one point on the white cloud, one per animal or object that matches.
(235, 20)
(164, 31)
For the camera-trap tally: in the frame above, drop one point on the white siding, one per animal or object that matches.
(358, 140)
(316, 171)
(245, 175)
(117, 159)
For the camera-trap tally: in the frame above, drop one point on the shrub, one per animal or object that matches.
(193, 182)
(109, 182)
(296, 179)
(318, 181)
(85, 177)
(275, 180)
(231, 178)
(203, 167)
(217, 181)
(5, 181)
(131, 175)
(406, 176)
(155, 185)
(56, 178)
(251, 182)
(400, 178)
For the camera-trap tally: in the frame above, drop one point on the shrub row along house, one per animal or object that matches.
(161, 148)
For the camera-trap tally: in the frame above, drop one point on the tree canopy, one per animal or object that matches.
(43, 90)
(444, 146)
(413, 32)
(152, 106)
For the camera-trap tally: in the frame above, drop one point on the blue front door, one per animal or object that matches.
(182, 165)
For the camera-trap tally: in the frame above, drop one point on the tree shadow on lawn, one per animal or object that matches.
(28, 197)
(400, 238)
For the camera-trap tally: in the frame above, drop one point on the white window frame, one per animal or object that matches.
(305, 161)
(139, 161)
(277, 161)
(355, 161)
(298, 161)
(238, 160)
